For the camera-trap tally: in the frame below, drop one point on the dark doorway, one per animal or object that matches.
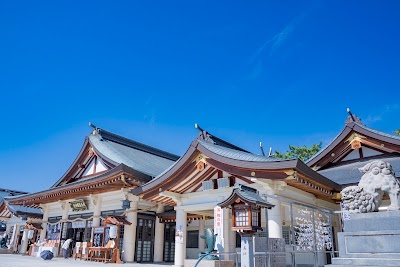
(169, 242)
(145, 238)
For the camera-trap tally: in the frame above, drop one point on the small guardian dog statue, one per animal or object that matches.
(378, 178)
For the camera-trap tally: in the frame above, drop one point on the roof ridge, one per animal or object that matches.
(378, 131)
(209, 145)
(206, 136)
(133, 144)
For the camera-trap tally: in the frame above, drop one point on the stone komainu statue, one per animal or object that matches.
(378, 178)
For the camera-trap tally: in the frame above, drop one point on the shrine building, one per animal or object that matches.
(168, 201)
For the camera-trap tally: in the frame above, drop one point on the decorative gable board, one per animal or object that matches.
(90, 169)
(95, 166)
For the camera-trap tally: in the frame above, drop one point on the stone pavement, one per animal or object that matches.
(12, 260)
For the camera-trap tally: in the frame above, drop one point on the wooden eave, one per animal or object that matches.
(277, 170)
(5, 213)
(80, 159)
(340, 145)
(33, 226)
(121, 176)
(116, 220)
(235, 196)
(74, 166)
(170, 216)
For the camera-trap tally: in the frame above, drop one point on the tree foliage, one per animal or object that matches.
(301, 152)
(397, 132)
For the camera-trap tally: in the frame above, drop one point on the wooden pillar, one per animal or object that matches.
(275, 219)
(45, 209)
(159, 237)
(202, 231)
(97, 210)
(180, 241)
(24, 243)
(130, 231)
(227, 221)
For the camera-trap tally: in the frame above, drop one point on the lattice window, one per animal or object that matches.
(286, 233)
(254, 218)
(192, 239)
(241, 218)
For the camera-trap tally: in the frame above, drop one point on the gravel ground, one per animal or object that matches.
(12, 260)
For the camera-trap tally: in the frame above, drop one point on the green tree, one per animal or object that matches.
(301, 152)
(397, 132)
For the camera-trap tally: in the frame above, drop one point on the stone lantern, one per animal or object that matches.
(246, 205)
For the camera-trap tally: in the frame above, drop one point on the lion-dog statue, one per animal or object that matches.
(378, 178)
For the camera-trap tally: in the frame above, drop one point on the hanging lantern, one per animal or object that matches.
(24, 217)
(126, 204)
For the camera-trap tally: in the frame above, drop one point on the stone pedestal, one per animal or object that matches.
(210, 263)
(370, 239)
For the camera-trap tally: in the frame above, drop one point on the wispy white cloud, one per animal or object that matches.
(380, 116)
(274, 43)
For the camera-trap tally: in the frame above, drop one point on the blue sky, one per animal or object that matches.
(281, 72)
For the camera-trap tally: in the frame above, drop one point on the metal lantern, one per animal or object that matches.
(126, 204)
(245, 217)
(24, 217)
(246, 205)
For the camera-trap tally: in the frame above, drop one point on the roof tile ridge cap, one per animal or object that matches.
(390, 135)
(230, 148)
(137, 145)
(267, 159)
(211, 136)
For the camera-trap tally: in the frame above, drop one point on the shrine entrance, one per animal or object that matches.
(169, 242)
(145, 238)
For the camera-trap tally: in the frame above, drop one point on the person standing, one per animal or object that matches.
(65, 247)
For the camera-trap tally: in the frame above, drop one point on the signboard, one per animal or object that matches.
(219, 228)
(179, 235)
(78, 205)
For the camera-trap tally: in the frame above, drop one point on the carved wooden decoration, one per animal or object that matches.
(200, 166)
(355, 144)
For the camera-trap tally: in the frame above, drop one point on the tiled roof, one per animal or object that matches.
(247, 194)
(349, 174)
(379, 132)
(351, 126)
(235, 154)
(142, 158)
(18, 210)
(251, 195)
(325, 147)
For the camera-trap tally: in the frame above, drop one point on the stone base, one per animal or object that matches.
(369, 244)
(208, 263)
(373, 221)
(6, 251)
(370, 239)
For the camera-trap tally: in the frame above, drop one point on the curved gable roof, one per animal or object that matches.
(341, 138)
(115, 150)
(229, 160)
